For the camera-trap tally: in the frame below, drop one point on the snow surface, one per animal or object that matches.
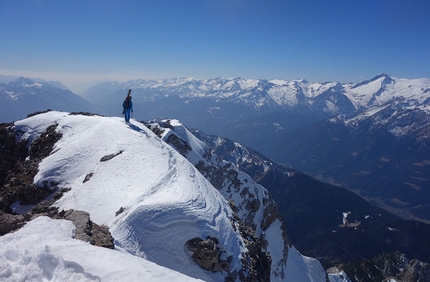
(44, 250)
(166, 200)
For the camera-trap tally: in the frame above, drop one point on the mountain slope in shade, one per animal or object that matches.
(382, 154)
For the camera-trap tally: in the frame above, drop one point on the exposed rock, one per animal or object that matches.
(38, 112)
(207, 254)
(256, 263)
(88, 231)
(110, 156)
(121, 210)
(88, 176)
(83, 114)
(179, 144)
(19, 164)
(10, 222)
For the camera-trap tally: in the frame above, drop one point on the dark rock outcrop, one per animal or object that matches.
(88, 231)
(207, 254)
(256, 263)
(110, 156)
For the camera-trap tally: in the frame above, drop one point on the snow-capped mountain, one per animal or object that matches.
(160, 209)
(22, 96)
(270, 96)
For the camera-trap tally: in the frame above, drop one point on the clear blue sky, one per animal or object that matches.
(331, 40)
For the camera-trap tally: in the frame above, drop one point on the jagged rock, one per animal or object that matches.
(110, 156)
(82, 222)
(102, 236)
(10, 222)
(19, 164)
(88, 231)
(38, 112)
(88, 176)
(121, 210)
(271, 213)
(207, 254)
(180, 145)
(84, 114)
(256, 262)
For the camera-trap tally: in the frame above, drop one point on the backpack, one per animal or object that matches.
(126, 104)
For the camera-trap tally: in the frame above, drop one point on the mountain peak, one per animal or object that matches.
(379, 76)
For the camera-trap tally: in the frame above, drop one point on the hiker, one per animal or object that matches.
(127, 106)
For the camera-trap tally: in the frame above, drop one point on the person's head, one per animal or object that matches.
(129, 97)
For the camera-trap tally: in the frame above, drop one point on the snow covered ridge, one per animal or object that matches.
(152, 199)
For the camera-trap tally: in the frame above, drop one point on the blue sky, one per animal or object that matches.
(332, 40)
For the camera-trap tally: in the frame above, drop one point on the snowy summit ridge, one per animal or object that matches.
(152, 199)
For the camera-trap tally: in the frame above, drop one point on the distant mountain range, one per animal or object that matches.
(22, 96)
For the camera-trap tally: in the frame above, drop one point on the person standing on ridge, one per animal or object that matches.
(127, 106)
